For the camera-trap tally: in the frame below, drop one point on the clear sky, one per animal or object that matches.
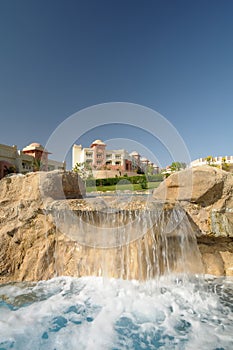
(174, 56)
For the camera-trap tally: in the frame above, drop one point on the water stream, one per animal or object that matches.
(130, 243)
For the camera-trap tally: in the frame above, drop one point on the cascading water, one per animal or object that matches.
(151, 296)
(129, 243)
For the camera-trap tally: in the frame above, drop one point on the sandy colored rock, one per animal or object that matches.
(33, 246)
(61, 185)
(203, 185)
(213, 264)
(227, 258)
(39, 185)
(39, 240)
(206, 193)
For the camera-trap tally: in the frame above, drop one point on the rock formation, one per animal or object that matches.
(206, 194)
(27, 234)
(39, 230)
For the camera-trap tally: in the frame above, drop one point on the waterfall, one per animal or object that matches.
(141, 242)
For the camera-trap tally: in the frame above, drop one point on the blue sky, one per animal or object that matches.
(174, 56)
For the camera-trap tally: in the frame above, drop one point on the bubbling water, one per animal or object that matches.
(95, 313)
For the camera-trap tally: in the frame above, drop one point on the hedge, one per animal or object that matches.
(139, 179)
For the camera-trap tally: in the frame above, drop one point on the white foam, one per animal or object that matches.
(96, 313)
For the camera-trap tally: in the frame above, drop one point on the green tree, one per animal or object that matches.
(143, 182)
(209, 160)
(84, 170)
(150, 170)
(37, 165)
(176, 166)
(225, 165)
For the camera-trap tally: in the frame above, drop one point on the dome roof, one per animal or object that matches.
(35, 146)
(98, 142)
(134, 153)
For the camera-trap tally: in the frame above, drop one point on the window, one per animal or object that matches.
(118, 156)
(98, 162)
(89, 154)
(108, 156)
(118, 163)
(89, 161)
(99, 155)
(26, 166)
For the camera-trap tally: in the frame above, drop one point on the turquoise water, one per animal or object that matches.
(96, 313)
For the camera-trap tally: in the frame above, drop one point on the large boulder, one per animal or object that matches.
(28, 234)
(61, 185)
(201, 185)
(42, 185)
(206, 193)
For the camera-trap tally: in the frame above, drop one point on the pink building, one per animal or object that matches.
(32, 158)
(38, 152)
(98, 157)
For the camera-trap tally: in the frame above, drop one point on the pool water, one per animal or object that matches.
(172, 312)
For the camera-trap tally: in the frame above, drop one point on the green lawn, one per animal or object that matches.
(120, 187)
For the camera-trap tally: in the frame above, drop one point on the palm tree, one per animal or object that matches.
(37, 164)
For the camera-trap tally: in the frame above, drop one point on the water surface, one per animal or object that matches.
(95, 313)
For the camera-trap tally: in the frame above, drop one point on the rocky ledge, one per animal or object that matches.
(38, 241)
(206, 194)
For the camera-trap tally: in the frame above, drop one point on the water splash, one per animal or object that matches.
(95, 313)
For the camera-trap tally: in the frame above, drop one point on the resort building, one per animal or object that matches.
(31, 158)
(215, 160)
(98, 157)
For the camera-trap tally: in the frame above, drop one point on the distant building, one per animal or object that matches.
(216, 160)
(100, 158)
(31, 158)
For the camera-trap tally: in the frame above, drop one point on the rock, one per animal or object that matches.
(213, 264)
(40, 240)
(61, 185)
(33, 246)
(201, 185)
(42, 185)
(27, 233)
(217, 255)
(227, 258)
(206, 193)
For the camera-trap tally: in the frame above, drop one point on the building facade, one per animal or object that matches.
(98, 157)
(215, 160)
(31, 158)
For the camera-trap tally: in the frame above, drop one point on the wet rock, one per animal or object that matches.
(206, 193)
(33, 246)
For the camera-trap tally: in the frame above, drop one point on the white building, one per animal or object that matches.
(216, 160)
